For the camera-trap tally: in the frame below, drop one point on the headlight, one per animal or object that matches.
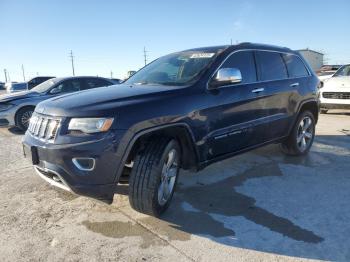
(90, 125)
(4, 107)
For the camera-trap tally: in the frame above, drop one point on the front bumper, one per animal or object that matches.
(7, 118)
(55, 165)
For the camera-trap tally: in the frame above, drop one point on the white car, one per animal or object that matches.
(335, 93)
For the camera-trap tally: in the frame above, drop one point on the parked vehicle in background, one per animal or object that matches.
(2, 86)
(335, 93)
(16, 109)
(184, 110)
(327, 71)
(37, 81)
(15, 87)
(116, 80)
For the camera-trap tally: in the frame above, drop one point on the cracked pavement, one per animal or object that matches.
(261, 205)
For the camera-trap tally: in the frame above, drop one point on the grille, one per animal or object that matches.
(44, 127)
(336, 95)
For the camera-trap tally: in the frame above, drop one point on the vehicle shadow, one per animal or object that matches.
(294, 206)
(15, 131)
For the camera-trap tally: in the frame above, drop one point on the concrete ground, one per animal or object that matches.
(260, 206)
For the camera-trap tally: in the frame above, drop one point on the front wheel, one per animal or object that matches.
(302, 135)
(154, 175)
(23, 116)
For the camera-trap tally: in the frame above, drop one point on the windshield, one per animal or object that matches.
(343, 71)
(174, 69)
(45, 86)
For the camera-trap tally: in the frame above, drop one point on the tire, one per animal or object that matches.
(151, 176)
(22, 117)
(301, 138)
(324, 111)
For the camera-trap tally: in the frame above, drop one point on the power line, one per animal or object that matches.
(72, 61)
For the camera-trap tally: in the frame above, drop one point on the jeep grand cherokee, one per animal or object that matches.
(184, 110)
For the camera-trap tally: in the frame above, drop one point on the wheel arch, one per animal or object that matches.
(181, 132)
(312, 106)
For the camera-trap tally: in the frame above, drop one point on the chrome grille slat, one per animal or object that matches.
(44, 127)
(336, 95)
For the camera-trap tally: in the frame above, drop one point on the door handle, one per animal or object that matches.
(258, 90)
(294, 85)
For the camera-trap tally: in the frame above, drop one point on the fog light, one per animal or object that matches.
(84, 164)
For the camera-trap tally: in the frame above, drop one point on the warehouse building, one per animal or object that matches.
(314, 58)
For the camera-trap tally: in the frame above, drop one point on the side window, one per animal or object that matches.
(295, 66)
(271, 66)
(69, 86)
(96, 82)
(244, 61)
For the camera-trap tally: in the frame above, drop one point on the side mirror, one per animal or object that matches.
(55, 91)
(226, 76)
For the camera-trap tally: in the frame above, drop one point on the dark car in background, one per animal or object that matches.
(16, 109)
(184, 110)
(37, 81)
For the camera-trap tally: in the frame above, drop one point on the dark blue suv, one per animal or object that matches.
(184, 110)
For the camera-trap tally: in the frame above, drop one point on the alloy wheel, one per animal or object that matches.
(305, 133)
(168, 177)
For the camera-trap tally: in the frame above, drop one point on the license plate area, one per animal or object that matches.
(31, 153)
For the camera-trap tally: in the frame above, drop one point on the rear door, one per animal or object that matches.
(276, 97)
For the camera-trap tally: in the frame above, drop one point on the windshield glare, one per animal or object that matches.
(343, 71)
(174, 69)
(45, 86)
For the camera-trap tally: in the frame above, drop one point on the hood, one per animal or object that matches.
(17, 96)
(102, 100)
(337, 83)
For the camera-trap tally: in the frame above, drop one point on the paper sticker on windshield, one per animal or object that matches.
(202, 55)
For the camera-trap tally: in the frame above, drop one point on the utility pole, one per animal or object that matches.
(5, 72)
(231, 41)
(111, 74)
(145, 54)
(72, 60)
(24, 78)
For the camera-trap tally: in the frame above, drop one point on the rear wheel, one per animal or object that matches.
(324, 111)
(154, 175)
(302, 136)
(23, 116)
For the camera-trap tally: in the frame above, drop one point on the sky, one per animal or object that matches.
(110, 36)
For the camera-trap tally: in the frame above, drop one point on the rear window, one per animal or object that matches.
(271, 66)
(295, 66)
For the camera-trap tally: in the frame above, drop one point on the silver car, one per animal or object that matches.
(16, 109)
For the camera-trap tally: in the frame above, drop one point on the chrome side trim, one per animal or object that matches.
(62, 185)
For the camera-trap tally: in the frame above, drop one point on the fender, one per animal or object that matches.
(142, 132)
(301, 104)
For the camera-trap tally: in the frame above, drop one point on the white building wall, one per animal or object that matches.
(314, 59)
